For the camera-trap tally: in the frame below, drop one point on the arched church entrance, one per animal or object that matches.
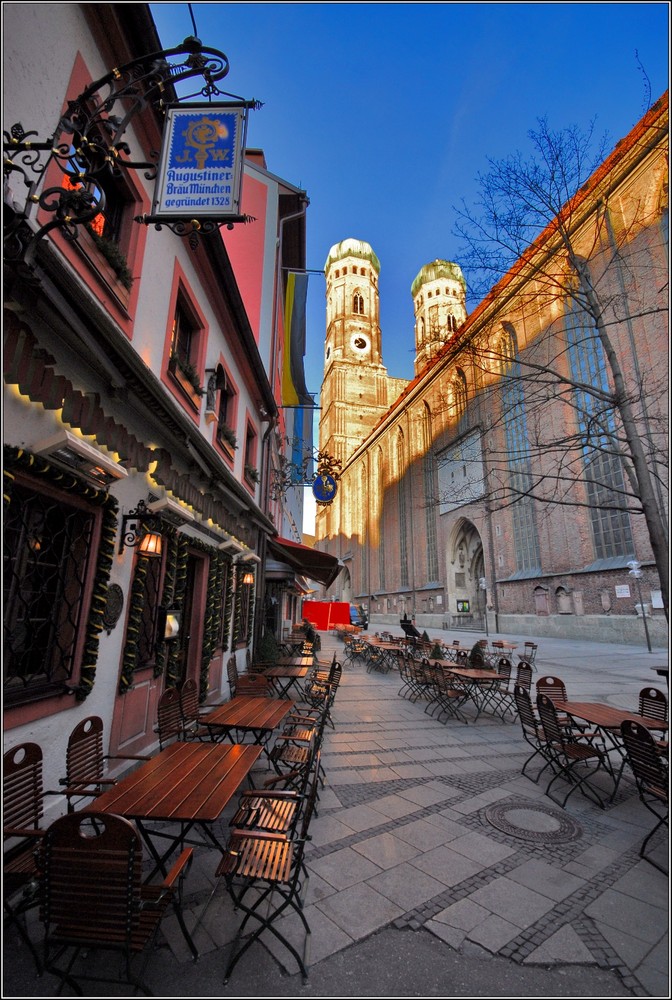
(466, 567)
(346, 585)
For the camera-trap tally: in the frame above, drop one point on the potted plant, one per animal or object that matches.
(114, 257)
(188, 373)
(252, 474)
(225, 433)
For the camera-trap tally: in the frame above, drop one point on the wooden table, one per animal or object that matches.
(608, 720)
(284, 677)
(249, 714)
(187, 784)
(477, 683)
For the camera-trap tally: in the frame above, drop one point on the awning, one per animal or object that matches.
(309, 562)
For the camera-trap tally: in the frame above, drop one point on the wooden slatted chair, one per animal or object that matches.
(192, 714)
(232, 675)
(500, 695)
(92, 897)
(651, 778)
(447, 696)
(568, 753)
(253, 684)
(169, 717)
(22, 814)
(524, 675)
(85, 762)
(532, 730)
(265, 877)
(529, 654)
(554, 688)
(653, 704)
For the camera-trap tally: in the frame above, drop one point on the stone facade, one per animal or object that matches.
(433, 516)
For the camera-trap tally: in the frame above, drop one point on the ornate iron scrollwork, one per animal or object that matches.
(88, 146)
(289, 474)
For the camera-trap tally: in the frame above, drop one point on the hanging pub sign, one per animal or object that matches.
(324, 489)
(325, 483)
(200, 169)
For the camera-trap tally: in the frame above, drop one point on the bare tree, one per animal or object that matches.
(575, 416)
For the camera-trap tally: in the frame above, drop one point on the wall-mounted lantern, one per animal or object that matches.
(140, 530)
(172, 620)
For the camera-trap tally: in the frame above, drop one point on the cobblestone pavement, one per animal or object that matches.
(437, 869)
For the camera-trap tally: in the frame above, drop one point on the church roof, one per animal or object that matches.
(438, 269)
(352, 248)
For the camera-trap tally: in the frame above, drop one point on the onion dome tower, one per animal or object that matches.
(439, 304)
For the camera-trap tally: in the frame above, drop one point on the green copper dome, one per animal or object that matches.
(352, 248)
(438, 269)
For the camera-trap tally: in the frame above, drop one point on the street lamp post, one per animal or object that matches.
(635, 571)
(483, 584)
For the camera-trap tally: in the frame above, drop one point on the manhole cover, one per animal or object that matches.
(532, 821)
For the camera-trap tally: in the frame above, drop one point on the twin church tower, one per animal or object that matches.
(357, 390)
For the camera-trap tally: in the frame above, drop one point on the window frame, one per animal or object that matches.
(48, 699)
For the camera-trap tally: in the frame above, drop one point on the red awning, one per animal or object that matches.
(309, 562)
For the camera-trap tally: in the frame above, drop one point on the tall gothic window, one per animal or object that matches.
(358, 304)
(459, 387)
(603, 470)
(430, 496)
(526, 542)
(381, 519)
(401, 494)
(364, 576)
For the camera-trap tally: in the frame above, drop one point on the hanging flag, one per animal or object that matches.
(293, 377)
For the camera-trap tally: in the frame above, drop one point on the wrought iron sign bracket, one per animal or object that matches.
(88, 146)
(324, 484)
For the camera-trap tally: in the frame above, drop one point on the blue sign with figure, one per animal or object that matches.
(200, 170)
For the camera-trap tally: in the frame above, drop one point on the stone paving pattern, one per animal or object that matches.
(404, 838)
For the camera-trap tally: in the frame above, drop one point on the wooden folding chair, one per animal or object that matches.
(85, 762)
(22, 813)
(268, 870)
(569, 753)
(92, 898)
(532, 730)
(651, 778)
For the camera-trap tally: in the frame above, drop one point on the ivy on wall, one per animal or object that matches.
(242, 591)
(212, 625)
(34, 465)
(172, 675)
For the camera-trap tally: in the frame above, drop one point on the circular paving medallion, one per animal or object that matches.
(532, 821)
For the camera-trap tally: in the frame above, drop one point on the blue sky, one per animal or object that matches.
(386, 112)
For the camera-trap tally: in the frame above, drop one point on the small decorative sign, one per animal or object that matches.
(623, 590)
(114, 604)
(324, 489)
(462, 606)
(200, 170)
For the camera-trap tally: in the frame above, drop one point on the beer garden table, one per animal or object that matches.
(187, 785)
(284, 677)
(252, 714)
(477, 682)
(608, 720)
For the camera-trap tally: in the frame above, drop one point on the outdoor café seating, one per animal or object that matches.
(574, 758)
(23, 812)
(85, 762)
(266, 878)
(651, 777)
(93, 899)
